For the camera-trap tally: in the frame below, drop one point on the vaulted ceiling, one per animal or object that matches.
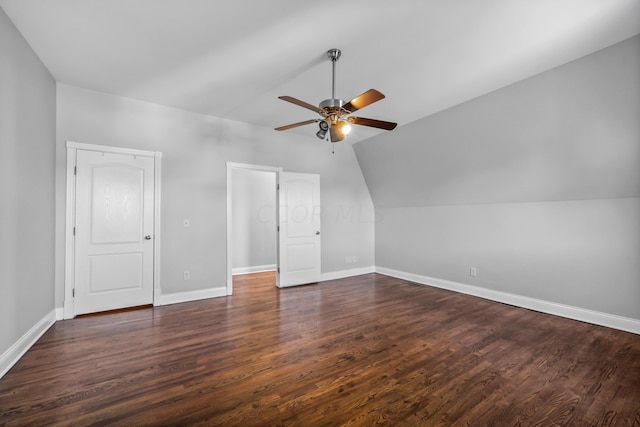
(233, 58)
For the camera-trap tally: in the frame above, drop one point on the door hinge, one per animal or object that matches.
(74, 231)
(75, 170)
(277, 186)
(278, 228)
(278, 269)
(73, 292)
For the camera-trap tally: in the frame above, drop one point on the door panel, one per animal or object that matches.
(114, 229)
(301, 257)
(115, 272)
(299, 249)
(116, 204)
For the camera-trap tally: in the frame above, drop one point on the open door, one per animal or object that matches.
(299, 229)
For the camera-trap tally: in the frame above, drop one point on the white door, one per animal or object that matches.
(299, 229)
(113, 231)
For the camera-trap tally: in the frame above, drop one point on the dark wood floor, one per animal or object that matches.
(360, 351)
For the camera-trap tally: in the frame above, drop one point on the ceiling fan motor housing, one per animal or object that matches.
(333, 108)
(334, 102)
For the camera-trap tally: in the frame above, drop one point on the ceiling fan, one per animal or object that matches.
(335, 112)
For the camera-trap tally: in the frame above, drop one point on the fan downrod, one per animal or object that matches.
(333, 105)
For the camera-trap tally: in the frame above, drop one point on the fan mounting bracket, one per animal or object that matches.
(334, 54)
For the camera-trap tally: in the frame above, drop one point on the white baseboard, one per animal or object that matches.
(254, 269)
(333, 275)
(20, 347)
(178, 297)
(576, 313)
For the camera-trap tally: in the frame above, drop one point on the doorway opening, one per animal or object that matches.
(251, 220)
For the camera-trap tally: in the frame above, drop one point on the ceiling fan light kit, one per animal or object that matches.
(324, 127)
(335, 112)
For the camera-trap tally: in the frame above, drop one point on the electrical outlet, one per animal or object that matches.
(473, 272)
(187, 275)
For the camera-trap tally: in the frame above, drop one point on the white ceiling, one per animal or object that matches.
(233, 58)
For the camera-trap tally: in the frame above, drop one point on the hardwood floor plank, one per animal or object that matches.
(360, 351)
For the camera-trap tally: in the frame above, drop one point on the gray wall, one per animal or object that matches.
(537, 185)
(27, 160)
(253, 218)
(195, 148)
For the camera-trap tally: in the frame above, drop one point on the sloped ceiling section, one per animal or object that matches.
(232, 59)
(571, 133)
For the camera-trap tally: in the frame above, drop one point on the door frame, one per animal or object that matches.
(230, 167)
(69, 263)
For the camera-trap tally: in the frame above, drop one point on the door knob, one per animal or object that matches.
(147, 237)
(317, 233)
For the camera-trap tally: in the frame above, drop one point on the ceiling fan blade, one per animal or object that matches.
(380, 124)
(361, 101)
(295, 125)
(302, 104)
(335, 134)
